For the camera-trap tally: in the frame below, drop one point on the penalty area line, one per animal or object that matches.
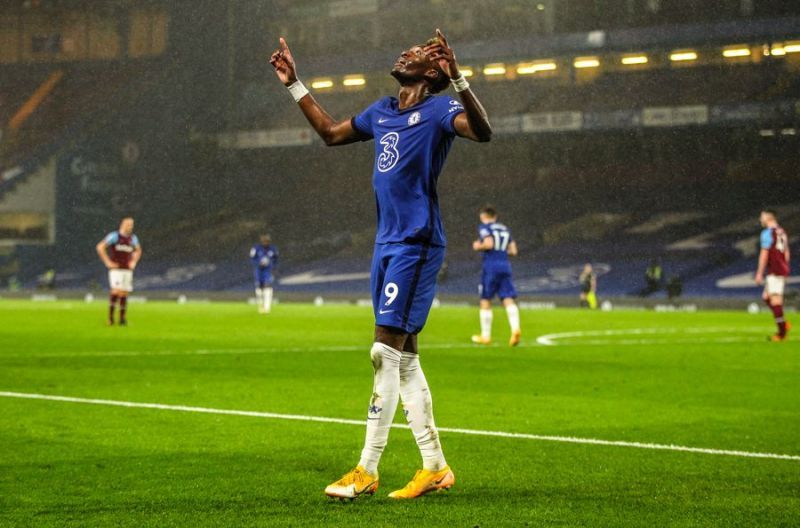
(454, 430)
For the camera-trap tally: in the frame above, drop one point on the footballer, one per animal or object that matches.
(773, 259)
(412, 134)
(495, 243)
(120, 251)
(264, 258)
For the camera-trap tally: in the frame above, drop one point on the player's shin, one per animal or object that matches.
(486, 323)
(382, 404)
(512, 311)
(418, 408)
(267, 299)
(123, 308)
(112, 302)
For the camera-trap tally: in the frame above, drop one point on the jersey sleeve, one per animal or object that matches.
(449, 109)
(135, 241)
(484, 231)
(362, 122)
(766, 239)
(111, 238)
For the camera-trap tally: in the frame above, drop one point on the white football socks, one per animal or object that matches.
(382, 405)
(259, 297)
(267, 299)
(418, 408)
(486, 323)
(512, 310)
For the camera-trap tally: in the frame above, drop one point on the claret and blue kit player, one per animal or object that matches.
(773, 268)
(120, 252)
(412, 133)
(264, 258)
(496, 245)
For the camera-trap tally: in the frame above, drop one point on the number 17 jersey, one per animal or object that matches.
(411, 146)
(496, 260)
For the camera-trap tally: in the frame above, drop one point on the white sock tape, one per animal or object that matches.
(460, 83)
(298, 90)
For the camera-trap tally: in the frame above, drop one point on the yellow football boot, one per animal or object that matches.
(515, 337)
(480, 340)
(425, 481)
(354, 484)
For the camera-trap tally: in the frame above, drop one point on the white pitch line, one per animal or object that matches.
(550, 339)
(472, 432)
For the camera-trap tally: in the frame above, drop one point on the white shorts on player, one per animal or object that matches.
(120, 279)
(774, 285)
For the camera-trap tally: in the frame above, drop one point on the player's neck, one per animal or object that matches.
(412, 94)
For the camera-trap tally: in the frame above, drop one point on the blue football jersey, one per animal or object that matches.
(411, 146)
(496, 259)
(264, 258)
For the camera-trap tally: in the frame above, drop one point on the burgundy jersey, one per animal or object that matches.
(121, 248)
(775, 241)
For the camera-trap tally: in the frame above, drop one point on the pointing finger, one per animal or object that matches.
(284, 47)
(441, 37)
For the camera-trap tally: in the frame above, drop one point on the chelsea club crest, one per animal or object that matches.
(414, 118)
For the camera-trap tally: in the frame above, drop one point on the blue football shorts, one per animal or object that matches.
(403, 284)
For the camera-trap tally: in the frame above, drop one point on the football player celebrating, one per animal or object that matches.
(496, 244)
(774, 260)
(125, 252)
(264, 257)
(413, 133)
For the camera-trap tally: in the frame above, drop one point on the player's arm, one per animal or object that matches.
(137, 254)
(512, 249)
(763, 257)
(473, 123)
(331, 131)
(103, 254)
(484, 243)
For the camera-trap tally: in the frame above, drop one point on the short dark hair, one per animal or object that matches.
(489, 210)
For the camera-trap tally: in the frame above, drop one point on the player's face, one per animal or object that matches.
(486, 219)
(411, 65)
(126, 226)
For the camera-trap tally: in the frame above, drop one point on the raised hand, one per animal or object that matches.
(443, 54)
(283, 62)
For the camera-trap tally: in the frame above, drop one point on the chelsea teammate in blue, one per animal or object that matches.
(413, 133)
(264, 257)
(496, 244)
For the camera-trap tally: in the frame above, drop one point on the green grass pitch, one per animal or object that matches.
(707, 380)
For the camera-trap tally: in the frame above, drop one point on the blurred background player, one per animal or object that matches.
(264, 257)
(496, 244)
(413, 134)
(774, 260)
(588, 280)
(120, 251)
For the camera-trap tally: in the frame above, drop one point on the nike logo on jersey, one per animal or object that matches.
(382, 120)
(381, 312)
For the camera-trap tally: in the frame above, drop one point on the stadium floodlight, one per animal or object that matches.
(777, 50)
(683, 56)
(321, 84)
(792, 47)
(730, 53)
(494, 69)
(629, 60)
(535, 67)
(586, 62)
(466, 71)
(354, 80)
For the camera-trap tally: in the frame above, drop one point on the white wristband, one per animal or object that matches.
(298, 90)
(460, 83)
